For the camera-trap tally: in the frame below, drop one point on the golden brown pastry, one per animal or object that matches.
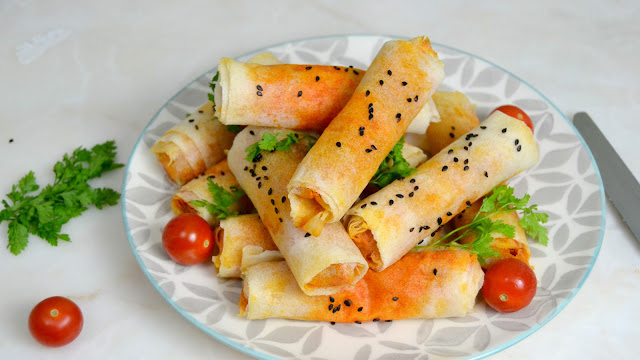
(457, 117)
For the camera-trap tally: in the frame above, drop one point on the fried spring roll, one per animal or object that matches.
(198, 189)
(516, 247)
(457, 117)
(399, 82)
(198, 141)
(425, 284)
(389, 223)
(321, 265)
(232, 236)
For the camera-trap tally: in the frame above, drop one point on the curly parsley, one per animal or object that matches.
(222, 200)
(270, 142)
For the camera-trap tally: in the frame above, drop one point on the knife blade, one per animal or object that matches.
(620, 185)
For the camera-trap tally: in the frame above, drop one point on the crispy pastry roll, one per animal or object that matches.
(193, 145)
(398, 83)
(425, 284)
(321, 265)
(457, 117)
(387, 224)
(232, 236)
(197, 142)
(198, 189)
(516, 247)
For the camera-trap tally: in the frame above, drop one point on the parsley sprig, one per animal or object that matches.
(222, 200)
(500, 201)
(43, 214)
(393, 167)
(212, 85)
(270, 142)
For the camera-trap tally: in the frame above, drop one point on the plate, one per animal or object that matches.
(565, 184)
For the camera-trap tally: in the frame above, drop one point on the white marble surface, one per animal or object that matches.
(81, 72)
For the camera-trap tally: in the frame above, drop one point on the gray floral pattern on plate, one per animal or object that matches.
(565, 183)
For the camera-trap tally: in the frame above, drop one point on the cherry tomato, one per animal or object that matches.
(188, 239)
(517, 113)
(509, 285)
(55, 321)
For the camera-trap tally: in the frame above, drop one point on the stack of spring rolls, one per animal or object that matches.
(311, 241)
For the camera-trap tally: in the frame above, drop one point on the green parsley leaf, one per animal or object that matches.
(212, 85)
(222, 200)
(234, 128)
(187, 115)
(393, 167)
(270, 143)
(500, 201)
(45, 213)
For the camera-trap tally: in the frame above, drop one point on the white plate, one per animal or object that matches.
(565, 183)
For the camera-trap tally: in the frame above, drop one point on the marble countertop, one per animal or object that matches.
(79, 73)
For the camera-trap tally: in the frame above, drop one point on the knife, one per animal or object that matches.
(620, 185)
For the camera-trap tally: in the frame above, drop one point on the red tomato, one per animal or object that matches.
(188, 239)
(517, 113)
(509, 285)
(55, 321)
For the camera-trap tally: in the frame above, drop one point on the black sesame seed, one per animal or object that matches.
(264, 168)
(504, 130)
(404, 83)
(200, 111)
(333, 323)
(370, 110)
(451, 135)
(455, 159)
(416, 98)
(466, 168)
(420, 229)
(331, 299)
(486, 174)
(459, 216)
(427, 227)
(453, 127)
(517, 142)
(468, 203)
(411, 194)
(191, 120)
(466, 148)
(370, 105)
(470, 143)
(347, 302)
(449, 213)
(259, 185)
(412, 181)
(280, 219)
(270, 191)
(399, 196)
(258, 178)
(408, 99)
(363, 206)
(259, 87)
(307, 235)
(435, 271)
(338, 144)
(374, 147)
(273, 202)
(336, 309)
(346, 69)
(415, 188)
(276, 210)
(360, 308)
(246, 168)
(368, 150)
(519, 147)
(390, 202)
(450, 151)
(356, 72)
(197, 127)
(358, 322)
(330, 306)
(483, 127)
(395, 298)
(439, 221)
(367, 93)
(444, 168)
(251, 132)
(466, 161)
(376, 319)
(388, 320)
(389, 72)
(411, 230)
(308, 68)
(299, 93)
(259, 93)
(370, 116)
(337, 68)
(374, 203)
(381, 82)
(317, 78)
(284, 198)
(433, 234)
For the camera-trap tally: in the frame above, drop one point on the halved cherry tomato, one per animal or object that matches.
(509, 285)
(188, 239)
(55, 321)
(517, 113)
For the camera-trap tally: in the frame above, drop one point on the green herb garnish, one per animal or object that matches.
(187, 115)
(393, 167)
(270, 142)
(69, 196)
(222, 200)
(212, 85)
(500, 201)
(234, 128)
